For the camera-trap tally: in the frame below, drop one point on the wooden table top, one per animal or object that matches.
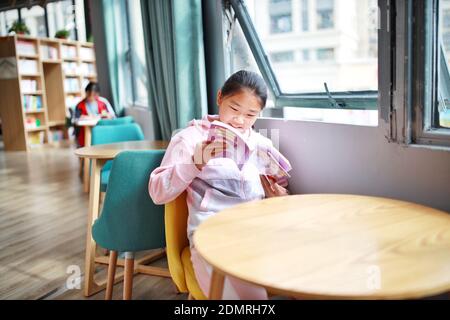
(109, 151)
(332, 246)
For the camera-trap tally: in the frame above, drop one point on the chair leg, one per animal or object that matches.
(111, 274)
(128, 277)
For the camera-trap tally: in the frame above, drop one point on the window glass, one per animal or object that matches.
(345, 37)
(34, 18)
(443, 100)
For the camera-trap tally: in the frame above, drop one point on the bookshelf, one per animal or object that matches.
(40, 79)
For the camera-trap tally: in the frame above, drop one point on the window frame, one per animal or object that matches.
(421, 85)
(355, 100)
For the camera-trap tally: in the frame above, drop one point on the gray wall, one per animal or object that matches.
(334, 158)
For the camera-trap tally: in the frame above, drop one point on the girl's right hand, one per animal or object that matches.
(206, 150)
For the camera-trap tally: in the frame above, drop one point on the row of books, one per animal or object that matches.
(32, 103)
(36, 138)
(28, 66)
(26, 47)
(32, 122)
(49, 52)
(85, 69)
(71, 84)
(68, 52)
(28, 85)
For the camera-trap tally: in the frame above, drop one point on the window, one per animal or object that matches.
(424, 119)
(34, 18)
(7, 18)
(63, 15)
(280, 23)
(325, 54)
(137, 60)
(44, 21)
(352, 78)
(325, 14)
(305, 55)
(280, 16)
(305, 15)
(285, 56)
(443, 101)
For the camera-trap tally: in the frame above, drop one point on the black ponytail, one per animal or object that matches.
(246, 80)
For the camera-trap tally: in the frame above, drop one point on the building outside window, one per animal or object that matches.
(305, 15)
(325, 14)
(325, 54)
(282, 57)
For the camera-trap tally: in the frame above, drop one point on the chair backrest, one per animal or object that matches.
(116, 133)
(116, 121)
(176, 216)
(130, 221)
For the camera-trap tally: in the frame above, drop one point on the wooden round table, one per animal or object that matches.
(330, 246)
(98, 155)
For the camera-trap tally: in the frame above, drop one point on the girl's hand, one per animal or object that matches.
(206, 150)
(271, 188)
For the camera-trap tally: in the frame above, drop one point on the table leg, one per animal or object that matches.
(87, 143)
(94, 201)
(216, 287)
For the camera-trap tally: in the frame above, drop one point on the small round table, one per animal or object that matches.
(330, 246)
(99, 154)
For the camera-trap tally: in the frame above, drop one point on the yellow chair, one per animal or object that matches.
(177, 248)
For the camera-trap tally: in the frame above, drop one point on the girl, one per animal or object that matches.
(215, 183)
(91, 106)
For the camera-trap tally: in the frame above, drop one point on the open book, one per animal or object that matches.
(269, 160)
(235, 145)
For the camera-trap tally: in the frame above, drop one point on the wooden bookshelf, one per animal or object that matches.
(40, 79)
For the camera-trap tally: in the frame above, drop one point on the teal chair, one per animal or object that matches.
(111, 134)
(130, 221)
(116, 121)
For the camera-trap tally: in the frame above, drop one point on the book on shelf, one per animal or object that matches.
(26, 47)
(32, 122)
(28, 85)
(87, 69)
(68, 52)
(32, 103)
(28, 66)
(71, 68)
(269, 161)
(36, 138)
(49, 52)
(71, 85)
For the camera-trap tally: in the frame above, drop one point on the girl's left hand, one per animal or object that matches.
(272, 189)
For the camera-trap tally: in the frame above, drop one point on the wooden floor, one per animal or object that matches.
(43, 213)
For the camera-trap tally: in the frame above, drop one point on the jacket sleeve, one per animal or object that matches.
(175, 174)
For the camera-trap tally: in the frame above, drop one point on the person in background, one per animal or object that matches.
(92, 106)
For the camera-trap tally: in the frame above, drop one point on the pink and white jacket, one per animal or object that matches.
(218, 186)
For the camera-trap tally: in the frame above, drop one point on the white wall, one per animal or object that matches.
(337, 158)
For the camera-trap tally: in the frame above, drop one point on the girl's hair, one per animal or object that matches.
(246, 80)
(92, 87)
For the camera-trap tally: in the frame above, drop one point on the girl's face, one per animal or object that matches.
(239, 110)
